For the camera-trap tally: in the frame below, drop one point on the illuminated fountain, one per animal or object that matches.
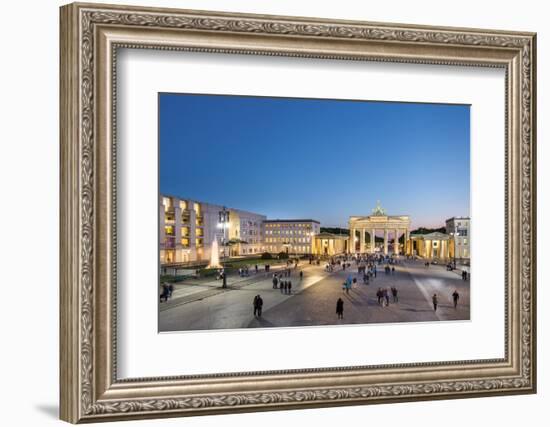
(214, 255)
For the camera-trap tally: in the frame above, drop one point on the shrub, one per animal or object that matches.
(172, 279)
(283, 255)
(266, 255)
(208, 272)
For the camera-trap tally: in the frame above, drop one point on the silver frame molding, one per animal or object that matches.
(90, 37)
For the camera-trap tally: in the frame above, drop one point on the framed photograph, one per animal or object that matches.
(266, 213)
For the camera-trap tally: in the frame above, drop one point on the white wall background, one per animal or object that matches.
(29, 170)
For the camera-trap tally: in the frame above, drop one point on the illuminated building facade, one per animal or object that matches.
(431, 246)
(328, 244)
(363, 231)
(459, 229)
(294, 236)
(188, 228)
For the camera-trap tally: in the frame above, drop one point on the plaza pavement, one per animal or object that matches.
(313, 301)
(216, 308)
(196, 289)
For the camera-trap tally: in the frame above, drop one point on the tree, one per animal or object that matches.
(423, 230)
(334, 230)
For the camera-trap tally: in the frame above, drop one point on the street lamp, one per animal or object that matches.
(454, 249)
(223, 217)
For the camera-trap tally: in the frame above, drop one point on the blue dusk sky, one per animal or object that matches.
(316, 158)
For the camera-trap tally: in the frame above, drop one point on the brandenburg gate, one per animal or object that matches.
(377, 221)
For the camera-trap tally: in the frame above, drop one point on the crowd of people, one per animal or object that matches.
(366, 266)
(383, 295)
(282, 280)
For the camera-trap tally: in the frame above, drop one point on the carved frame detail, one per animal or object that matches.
(90, 390)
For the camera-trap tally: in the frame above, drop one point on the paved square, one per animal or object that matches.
(198, 305)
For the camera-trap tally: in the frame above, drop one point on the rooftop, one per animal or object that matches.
(216, 205)
(292, 220)
(436, 235)
(331, 236)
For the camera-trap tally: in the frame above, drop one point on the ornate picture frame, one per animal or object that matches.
(90, 37)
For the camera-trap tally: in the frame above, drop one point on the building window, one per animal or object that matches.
(166, 202)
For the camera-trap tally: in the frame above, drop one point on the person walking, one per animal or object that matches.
(340, 308)
(394, 294)
(275, 282)
(434, 300)
(456, 296)
(289, 287)
(255, 304)
(281, 285)
(387, 296)
(379, 295)
(260, 303)
(301, 274)
(165, 292)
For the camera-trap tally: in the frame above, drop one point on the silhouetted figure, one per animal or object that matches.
(258, 304)
(456, 296)
(394, 294)
(340, 308)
